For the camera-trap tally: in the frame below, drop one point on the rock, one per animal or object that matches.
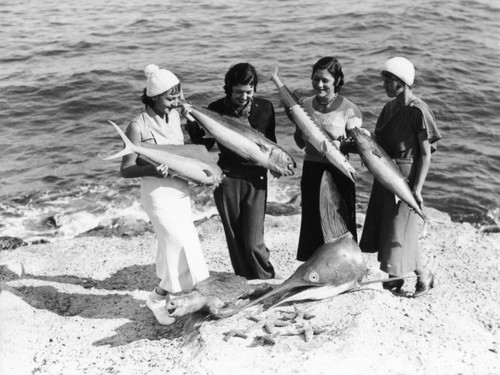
(489, 229)
(125, 226)
(11, 243)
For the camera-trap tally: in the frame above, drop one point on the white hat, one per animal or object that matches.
(159, 80)
(402, 68)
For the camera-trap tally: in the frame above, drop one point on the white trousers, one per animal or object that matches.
(180, 263)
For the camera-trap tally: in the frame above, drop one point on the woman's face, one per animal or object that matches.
(392, 86)
(323, 83)
(241, 95)
(166, 101)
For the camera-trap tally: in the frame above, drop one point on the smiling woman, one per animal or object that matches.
(334, 114)
(166, 199)
(241, 197)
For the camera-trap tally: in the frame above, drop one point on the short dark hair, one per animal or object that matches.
(332, 65)
(240, 74)
(387, 74)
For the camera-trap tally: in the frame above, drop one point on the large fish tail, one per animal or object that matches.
(129, 146)
(289, 98)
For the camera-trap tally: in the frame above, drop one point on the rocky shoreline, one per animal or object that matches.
(78, 306)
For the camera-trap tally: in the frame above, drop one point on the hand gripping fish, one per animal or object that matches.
(243, 140)
(384, 169)
(314, 133)
(189, 162)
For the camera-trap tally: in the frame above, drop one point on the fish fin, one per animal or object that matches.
(376, 152)
(129, 146)
(319, 293)
(324, 147)
(368, 282)
(262, 147)
(275, 72)
(207, 172)
(333, 210)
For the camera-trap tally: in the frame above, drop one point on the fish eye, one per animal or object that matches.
(313, 277)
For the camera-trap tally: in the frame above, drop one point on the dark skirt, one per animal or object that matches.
(311, 234)
(391, 229)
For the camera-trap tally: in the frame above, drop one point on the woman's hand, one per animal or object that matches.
(161, 171)
(418, 198)
(275, 174)
(365, 131)
(299, 137)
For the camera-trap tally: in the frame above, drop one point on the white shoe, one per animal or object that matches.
(158, 305)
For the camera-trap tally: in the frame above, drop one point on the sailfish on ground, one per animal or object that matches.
(335, 267)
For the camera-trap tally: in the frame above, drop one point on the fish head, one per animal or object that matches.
(333, 263)
(184, 304)
(282, 162)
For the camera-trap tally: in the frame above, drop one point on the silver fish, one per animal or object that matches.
(314, 133)
(189, 162)
(243, 140)
(384, 169)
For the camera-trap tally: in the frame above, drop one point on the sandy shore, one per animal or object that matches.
(79, 308)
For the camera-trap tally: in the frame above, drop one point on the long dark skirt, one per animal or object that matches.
(311, 234)
(391, 229)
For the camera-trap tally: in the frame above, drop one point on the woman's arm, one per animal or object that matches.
(129, 167)
(423, 165)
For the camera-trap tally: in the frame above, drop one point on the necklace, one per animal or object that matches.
(329, 101)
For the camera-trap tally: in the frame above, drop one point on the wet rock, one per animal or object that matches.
(292, 207)
(490, 229)
(11, 271)
(11, 243)
(125, 226)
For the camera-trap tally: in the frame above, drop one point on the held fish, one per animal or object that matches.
(384, 169)
(314, 133)
(243, 140)
(189, 162)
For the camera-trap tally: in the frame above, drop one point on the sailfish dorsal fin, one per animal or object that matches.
(332, 208)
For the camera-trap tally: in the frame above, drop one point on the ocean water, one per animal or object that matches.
(68, 67)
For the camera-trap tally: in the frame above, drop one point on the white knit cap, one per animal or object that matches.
(159, 80)
(402, 68)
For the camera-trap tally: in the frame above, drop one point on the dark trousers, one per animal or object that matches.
(242, 206)
(311, 234)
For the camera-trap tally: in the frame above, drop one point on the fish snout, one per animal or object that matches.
(178, 306)
(171, 307)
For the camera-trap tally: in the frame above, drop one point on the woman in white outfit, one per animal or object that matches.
(180, 263)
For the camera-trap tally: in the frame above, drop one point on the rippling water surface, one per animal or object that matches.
(67, 67)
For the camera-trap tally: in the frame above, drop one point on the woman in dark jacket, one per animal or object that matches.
(241, 197)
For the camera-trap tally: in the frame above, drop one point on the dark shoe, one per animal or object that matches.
(423, 286)
(393, 286)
